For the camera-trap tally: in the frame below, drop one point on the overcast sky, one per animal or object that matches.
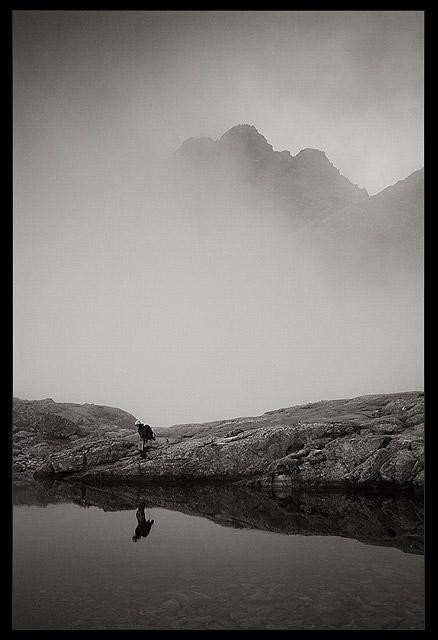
(99, 97)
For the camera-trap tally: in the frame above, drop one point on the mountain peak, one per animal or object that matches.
(308, 186)
(243, 137)
(314, 159)
(312, 154)
(242, 129)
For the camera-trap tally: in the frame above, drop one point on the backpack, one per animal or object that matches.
(149, 432)
(146, 432)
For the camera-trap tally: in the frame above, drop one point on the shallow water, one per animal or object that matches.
(76, 566)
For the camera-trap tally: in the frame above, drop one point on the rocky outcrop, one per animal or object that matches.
(394, 521)
(86, 417)
(43, 427)
(368, 442)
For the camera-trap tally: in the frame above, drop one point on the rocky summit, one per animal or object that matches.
(306, 186)
(351, 231)
(371, 442)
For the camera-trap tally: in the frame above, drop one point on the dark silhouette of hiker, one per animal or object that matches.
(145, 432)
(144, 526)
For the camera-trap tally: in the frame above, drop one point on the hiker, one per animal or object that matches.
(145, 433)
(144, 526)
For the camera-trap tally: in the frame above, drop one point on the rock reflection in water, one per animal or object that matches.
(76, 567)
(383, 520)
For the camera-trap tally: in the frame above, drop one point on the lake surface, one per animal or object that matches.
(214, 558)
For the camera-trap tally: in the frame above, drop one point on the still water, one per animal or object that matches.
(214, 558)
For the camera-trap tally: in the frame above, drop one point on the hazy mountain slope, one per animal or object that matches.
(347, 231)
(306, 186)
(396, 209)
(386, 226)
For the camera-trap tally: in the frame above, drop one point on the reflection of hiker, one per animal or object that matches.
(144, 526)
(145, 433)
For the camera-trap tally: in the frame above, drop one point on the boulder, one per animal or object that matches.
(40, 450)
(55, 426)
(398, 469)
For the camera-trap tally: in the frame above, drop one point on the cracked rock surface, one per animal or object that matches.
(374, 441)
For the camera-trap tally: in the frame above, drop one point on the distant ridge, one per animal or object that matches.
(351, 228)
(307, 186)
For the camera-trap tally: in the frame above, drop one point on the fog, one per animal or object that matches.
(188, 309)
(170, 298)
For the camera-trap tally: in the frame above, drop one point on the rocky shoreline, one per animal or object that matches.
(371, 442)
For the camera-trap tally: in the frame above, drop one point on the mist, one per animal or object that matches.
(172, 298)
(192, 307)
